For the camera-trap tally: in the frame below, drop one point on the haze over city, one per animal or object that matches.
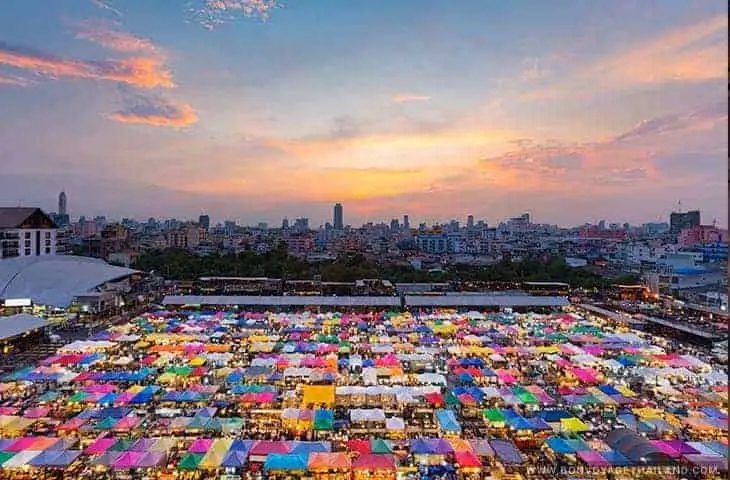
(574, 111)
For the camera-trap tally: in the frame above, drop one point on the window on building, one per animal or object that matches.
(48, 235)
(48, 243)
(27, 244)
(48, 250)
(27, 252)
(27, 234)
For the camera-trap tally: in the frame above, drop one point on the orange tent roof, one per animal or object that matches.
(329, 461)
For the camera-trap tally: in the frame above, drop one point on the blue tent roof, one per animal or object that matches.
(559, 446)
(287, 462)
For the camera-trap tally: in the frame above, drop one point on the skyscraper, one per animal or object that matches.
(62, 206)
(204, 221)
(470, 221)
(406, 223)
(338, 220)
(679, 221)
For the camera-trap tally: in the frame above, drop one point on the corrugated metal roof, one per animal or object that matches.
(55, 279)
(484, 301)
(367, 301)
(264, 300)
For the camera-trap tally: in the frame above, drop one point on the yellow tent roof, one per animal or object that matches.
(319, 394)
(573, 425)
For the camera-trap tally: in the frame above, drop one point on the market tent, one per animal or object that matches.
(374, 461)
(150, 460)
(21, 459)
(573, 424)
(447, 420)
(481, 447)
(467, 460)
(306, 448)
(329, 461)
(190, 461)
(234, 459)
(559, 446)
(507, 452)
(636, 448)
(324, 420)
(285, 462)
(127, 460)
(319, 395)
(593, 459)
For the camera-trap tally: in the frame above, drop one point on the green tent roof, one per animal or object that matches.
(378, 445)
(190, 461)
(494, 415)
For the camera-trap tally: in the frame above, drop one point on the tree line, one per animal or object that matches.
(176, 264)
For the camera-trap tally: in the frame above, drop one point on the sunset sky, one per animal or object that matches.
(573, 111)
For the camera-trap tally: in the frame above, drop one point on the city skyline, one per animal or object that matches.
(403, 219)
(575, 113)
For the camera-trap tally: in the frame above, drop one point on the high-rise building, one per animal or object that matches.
(62, 205)
(61, 218)
(26, 232)
(285, 223)
(470, 221)
(406, 223)
(204, 221)
(338, 219)
(679, 221)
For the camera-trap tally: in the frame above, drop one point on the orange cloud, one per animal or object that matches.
(155, 111)
(395, 148)
(140, 72)
(111, 37)
(692, 53)
(410, 98)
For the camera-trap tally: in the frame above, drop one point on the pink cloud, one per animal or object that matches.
(110, 36)
(405, 98)
(143, 72)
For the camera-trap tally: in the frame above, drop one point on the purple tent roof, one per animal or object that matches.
(681, 447)
(507, 452)
(128, 460)
(150, 459)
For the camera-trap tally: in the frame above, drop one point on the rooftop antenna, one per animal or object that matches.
(679, 206)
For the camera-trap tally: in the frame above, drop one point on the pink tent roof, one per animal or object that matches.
(127, 423)
(593, 459)
(200, 445)
(73, 424)
(101, 388)
(586, 375)
(506, 377)
(265, 397)
(21, 444)
(8, 410)
(36, 412)
(264, 447)
(100, 446)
